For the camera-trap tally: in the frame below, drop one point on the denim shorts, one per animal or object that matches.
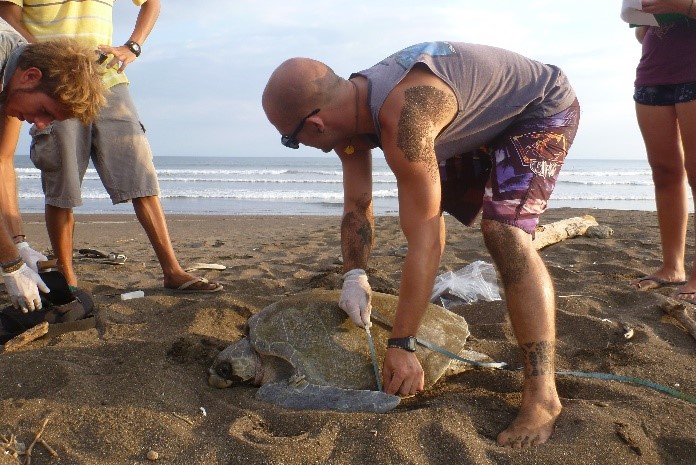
(665, 95)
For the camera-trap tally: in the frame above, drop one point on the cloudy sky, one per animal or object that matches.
(199, 80)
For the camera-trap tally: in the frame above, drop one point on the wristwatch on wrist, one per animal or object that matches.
(405, 343)
(134, 47)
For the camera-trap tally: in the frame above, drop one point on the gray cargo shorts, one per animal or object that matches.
(115, 143)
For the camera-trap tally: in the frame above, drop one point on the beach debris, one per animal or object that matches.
(599, 232)
(569, 296)
(48, 448)
(625, 330)
(630, 435)
(132, 295)
(12, 448)
(181, 417)
(110, 258)
(678, 311)
(205, 266)
(152, 455)
(38, 439)
(203, 412)
(305, 353)
(548, 234)
(476, 281)
(26, 337)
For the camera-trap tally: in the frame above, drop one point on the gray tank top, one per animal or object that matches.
(494, 89)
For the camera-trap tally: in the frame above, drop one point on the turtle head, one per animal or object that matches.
(233, 366)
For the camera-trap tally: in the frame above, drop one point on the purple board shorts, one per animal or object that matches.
(511, 178)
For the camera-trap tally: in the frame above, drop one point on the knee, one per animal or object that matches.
(510, 248)
(668, 175)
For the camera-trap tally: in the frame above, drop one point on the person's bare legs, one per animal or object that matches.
(658, 125)
(529, 296)
(686, 115)
(60, 224)
(149, 212)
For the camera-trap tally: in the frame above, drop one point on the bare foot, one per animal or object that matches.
(534, 422)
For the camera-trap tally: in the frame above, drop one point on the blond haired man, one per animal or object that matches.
(55, 80)
(62, 151)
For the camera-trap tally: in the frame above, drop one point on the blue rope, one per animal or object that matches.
(632, 380)
(581, 374)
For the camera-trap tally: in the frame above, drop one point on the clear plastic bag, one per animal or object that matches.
(476, 281)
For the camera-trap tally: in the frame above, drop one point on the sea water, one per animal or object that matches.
(313, 186)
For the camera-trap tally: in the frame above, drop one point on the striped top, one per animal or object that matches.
(87, 20)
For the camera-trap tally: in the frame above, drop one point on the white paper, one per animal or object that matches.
(632, 12)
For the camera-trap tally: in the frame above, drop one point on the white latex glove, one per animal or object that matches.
(29, 255)
(356, 296)
(23, 286)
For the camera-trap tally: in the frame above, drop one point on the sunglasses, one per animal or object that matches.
(291, 140)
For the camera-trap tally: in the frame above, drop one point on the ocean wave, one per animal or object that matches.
(606, 173)
(601, 197)
(606, 183)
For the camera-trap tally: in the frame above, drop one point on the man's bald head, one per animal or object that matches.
(296, 87)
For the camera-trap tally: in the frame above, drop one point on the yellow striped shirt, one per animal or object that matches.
(87, 20)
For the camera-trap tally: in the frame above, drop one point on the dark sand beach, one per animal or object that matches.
(138, 381)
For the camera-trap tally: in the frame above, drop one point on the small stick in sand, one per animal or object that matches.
(26, 337)
(48, 448)
(10, 447)
(181, 417)
(36, 439)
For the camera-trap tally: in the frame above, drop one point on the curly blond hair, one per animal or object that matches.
(70, 74)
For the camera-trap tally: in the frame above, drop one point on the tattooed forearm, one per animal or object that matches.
(356, 240)
(538, 358)
(425, 111)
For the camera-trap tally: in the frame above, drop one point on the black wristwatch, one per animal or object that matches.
(405, 343)
(134, 47)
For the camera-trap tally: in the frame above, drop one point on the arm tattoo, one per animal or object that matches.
(425, 108)
(538, 358)
(357, 240)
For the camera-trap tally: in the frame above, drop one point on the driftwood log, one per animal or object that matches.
(561, 230)
(679, 312)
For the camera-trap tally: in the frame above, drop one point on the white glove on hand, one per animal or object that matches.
(356, 296)
(29, 255)
(23, 286)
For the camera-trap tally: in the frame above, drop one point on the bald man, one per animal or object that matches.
(465, 128)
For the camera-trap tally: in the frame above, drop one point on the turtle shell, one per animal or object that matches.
(311, 332)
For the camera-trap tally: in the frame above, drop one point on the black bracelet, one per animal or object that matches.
(12, 265)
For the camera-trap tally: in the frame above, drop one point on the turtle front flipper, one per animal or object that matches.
(301, 395)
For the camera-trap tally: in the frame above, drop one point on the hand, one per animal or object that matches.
(30, 256)
(665, 6)
(23, 286)
(122, 56)
(356, 296)
(402, 373)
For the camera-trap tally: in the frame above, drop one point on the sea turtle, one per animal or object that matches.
(305, 353)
